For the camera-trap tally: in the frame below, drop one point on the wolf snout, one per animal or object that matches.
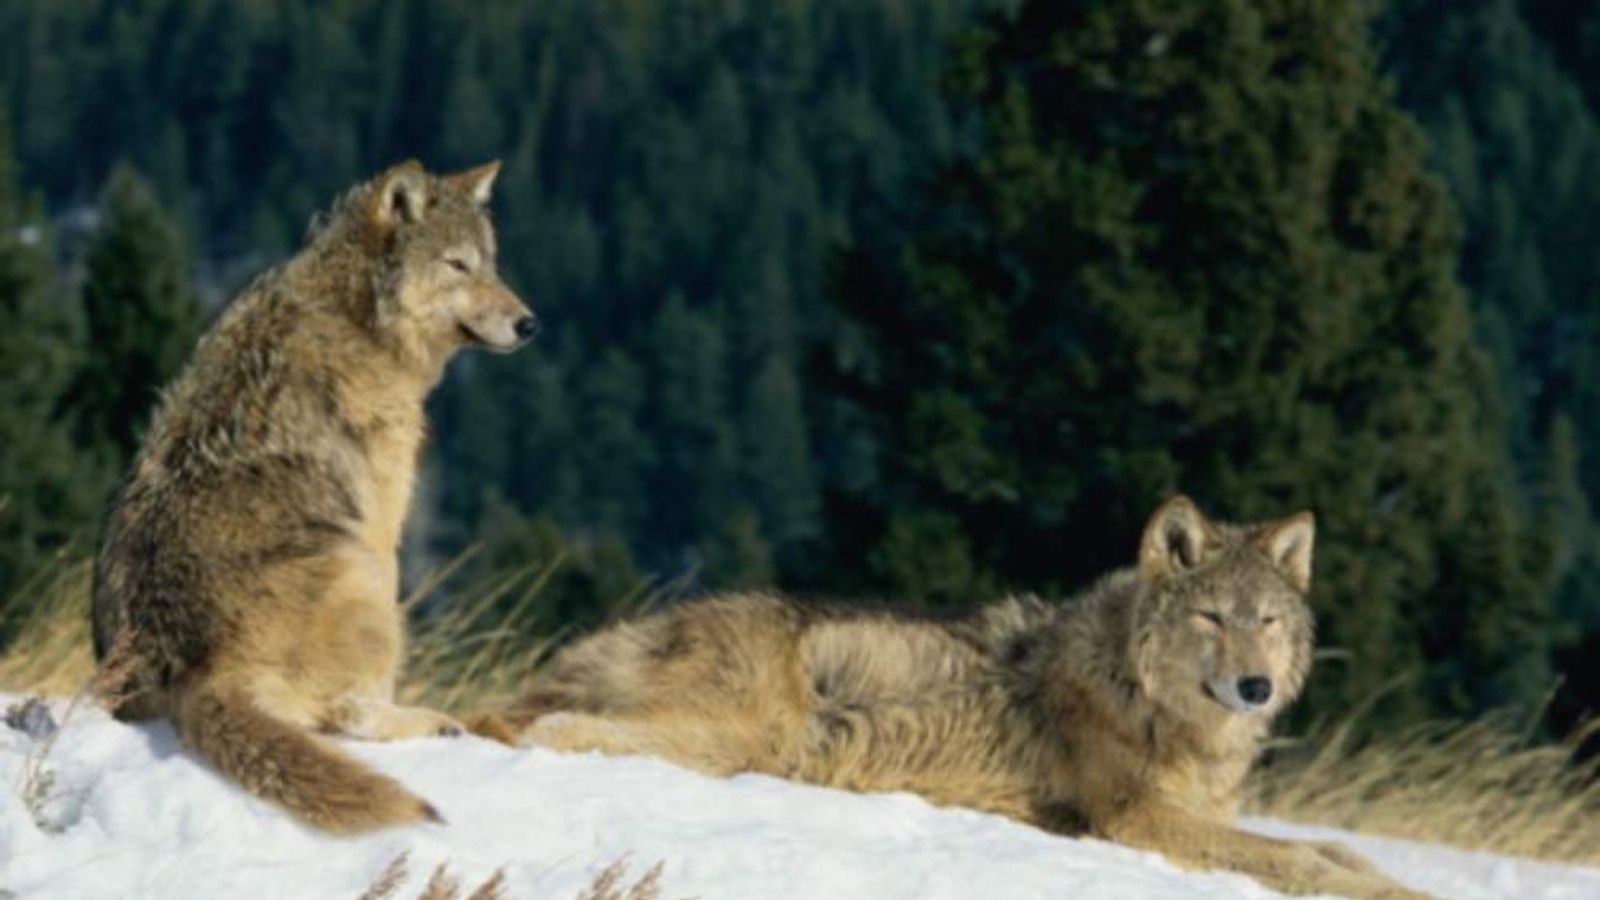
(1255, 689)
(502, 330)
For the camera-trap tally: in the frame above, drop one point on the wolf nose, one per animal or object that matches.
(526, 327)
(1255, 690)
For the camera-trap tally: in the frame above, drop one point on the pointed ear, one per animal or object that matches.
(1287, 542)
(399, 195)
(1175, 539)
(477, 183)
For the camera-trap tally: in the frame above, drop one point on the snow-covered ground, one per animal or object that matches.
(131, 815)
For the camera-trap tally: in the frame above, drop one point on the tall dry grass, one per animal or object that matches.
(1482, 785)
(441, 884)
(470, 653)
(49, 652)
(1479, 785)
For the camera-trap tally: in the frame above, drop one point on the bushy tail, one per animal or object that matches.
(291, 767)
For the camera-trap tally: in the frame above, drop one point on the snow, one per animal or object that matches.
(132, 815)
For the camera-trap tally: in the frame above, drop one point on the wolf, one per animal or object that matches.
(247, 576)
(1131, 713)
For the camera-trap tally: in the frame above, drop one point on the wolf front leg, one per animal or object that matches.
(1195, 842)
(376, 719)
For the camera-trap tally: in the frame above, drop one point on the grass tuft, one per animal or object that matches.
(49, 653)
(442, 885)
(1479, 785)
(609, 884)
(388, 882)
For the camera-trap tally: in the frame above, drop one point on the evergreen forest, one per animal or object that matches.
(919, 301)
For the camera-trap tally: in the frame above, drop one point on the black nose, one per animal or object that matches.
(1255, 690)
(526, 327)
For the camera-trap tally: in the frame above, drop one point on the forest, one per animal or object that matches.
(918, 301)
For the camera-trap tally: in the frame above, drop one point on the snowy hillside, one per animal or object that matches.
(129, 815)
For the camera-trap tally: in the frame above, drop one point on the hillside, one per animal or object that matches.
(129, 815)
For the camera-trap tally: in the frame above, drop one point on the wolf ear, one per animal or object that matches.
(477, 183)
(1287, 542)
(1175, 539)
(400, 195)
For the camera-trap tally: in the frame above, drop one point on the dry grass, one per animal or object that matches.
(1478, 785)
(390, 880)
(1481, 785)
(441, 884)
(609, 884)
(474, 654)
(50, 654)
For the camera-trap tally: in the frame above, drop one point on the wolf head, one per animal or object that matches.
(435, 287)
(1222, 626)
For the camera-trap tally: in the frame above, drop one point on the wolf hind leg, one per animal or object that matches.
(372, 718)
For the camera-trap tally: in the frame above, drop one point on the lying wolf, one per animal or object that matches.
(249, 563)
(1132, 713)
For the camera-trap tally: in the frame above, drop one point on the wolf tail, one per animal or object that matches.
(291, 767)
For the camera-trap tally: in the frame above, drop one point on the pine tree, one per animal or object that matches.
(617, 453)
(1194, 249)
(472, 127)
(776, 462)
(49, 494)
(718, 151)
(696, 444)
(582, 579)
(142, 317)
(1500, 87)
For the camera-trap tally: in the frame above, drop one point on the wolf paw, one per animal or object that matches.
(376, 719)
(432, 723)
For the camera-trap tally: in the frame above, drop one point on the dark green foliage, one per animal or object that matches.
(141, 314)
(1196, 249)
(1507, 92)
(1184, 245)
(675, 176)
(582, 580)
(1572, 32)
(48, 491)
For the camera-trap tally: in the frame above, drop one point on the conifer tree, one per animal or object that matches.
(48, 493)
(142, 317)
(694, 436)
(1195, 248)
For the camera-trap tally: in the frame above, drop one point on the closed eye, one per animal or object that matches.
(1268, 620)
(460, 265)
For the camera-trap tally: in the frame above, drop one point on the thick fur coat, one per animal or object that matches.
(1131, 713)
(248, 572)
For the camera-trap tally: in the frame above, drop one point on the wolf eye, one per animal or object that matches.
(1214, 618)
(460, 265)
(1268, 620)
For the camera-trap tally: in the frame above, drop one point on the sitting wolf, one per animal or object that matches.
(1132, 713)
(248, 568)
